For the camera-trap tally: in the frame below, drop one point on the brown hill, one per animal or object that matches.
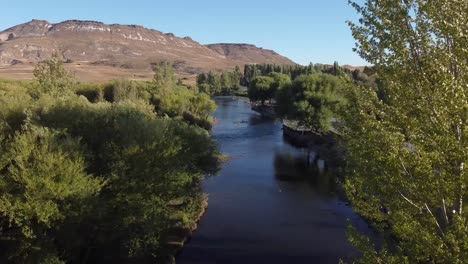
(248, 54)
(97, 51)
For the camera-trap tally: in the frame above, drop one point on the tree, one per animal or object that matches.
(261, 89)
(201, 79)
(53, 78)
(84, 182)
(237, 71)
(147, 162)
(250, 73)
(164, 76)
(226, 83)
(214, 81)
(205, 88)
(202, 105)
(43, 186)
(312, 100)
(407, 155)
(280, 80)
(236, 79)
(336, 68)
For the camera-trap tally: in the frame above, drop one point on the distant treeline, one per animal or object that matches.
(312, 95)
(231, 82)
(365, 76)
(226, 83)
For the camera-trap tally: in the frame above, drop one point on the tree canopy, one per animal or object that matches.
(312, 100)
(225, 83)
(407, 153)
(100, 173)
(261, 89)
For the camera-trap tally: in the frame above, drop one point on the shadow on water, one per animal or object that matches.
(307, 168)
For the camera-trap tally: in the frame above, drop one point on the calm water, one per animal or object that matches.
(259, 210)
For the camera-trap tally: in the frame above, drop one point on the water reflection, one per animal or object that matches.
(307, 167)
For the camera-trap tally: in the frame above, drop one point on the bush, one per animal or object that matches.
(84, 180)
(53, 78)
(44, 184)
(94, 93)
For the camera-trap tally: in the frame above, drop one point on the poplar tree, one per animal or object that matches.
(53, 78)
(407, 154)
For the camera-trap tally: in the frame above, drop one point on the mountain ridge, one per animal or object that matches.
(130, 47)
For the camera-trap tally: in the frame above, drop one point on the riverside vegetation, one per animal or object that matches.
(92, 173)
(119, 167)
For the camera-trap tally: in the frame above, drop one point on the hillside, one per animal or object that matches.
(98, 51)
(248, 54)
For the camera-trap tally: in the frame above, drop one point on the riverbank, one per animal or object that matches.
(177, 238)
(326, 145)
(319, 147)
(265, 110)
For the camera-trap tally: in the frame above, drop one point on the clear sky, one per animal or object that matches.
(303, 30)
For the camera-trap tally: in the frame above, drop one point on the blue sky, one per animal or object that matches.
(303, 30)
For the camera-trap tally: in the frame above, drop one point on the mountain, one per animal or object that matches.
(92, 47)
(248, 54)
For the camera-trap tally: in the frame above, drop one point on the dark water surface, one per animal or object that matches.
(259, 210)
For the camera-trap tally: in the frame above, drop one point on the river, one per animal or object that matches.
(261, 210)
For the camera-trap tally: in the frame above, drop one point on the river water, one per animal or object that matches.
(267, 205)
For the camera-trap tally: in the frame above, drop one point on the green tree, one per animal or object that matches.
(226, 83)
(261, 89)
(53, 78)
(201, 79)
(237, 71)
(407, 155)
(84, 182)
(149, 164)
(280, 80)
(43, 186)
(202, 105)
(205, 88)
(336, 68)
(175, 100)
(312, 100)
(236, 80)
(214, 81)
(164, 76)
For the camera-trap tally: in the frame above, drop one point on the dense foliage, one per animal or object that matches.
(99, 173)
(312, 100)
(225, 83)
(366, 76)
(293, 71)
(407, 146)
(257, 79)
(261, 89)
(164, 93)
